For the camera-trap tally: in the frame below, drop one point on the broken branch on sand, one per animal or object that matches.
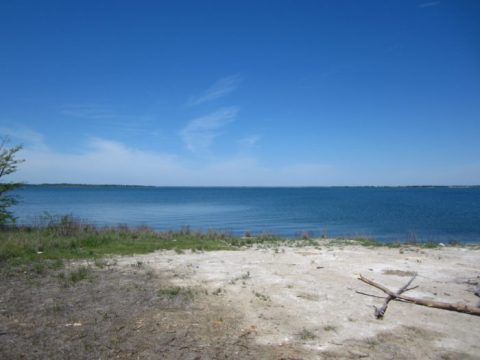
(379, 312)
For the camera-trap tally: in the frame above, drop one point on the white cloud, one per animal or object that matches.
(219, 89)
(104, 161)
(200, 133)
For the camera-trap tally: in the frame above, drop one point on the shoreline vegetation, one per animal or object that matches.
(65, 237)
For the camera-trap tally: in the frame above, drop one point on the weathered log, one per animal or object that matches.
(379, 312)
(459, 307)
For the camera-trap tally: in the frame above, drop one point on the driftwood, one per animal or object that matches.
(379, 312)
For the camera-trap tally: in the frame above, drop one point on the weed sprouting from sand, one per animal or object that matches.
(261, 296)
(430, 245)
(74, 276)
(169, 292)
(218, 291)
(307, 335)
(245, 276)
(39, 267)
(138, 265)
(79, 274)
(242, 277)
(175, 295)
(371, 342)
(330, 328)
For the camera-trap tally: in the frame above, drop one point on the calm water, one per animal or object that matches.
(438, 214)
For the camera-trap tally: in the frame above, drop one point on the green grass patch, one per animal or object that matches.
(56, 239)
(169, 292)
(176, 293)
(74, 276)
(69, 239)
(79, 274)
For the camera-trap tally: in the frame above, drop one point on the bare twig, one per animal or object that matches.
(367, 294)
(459, 307)
(380, 312)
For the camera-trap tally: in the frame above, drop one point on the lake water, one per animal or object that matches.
(386, 214)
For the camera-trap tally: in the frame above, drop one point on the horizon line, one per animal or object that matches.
(252, 186)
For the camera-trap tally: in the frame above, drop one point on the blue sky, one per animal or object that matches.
(281, 93)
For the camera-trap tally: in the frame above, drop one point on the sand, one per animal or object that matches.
(255, 303)
(305, 298)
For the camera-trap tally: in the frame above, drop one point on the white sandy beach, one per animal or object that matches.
(305, 298)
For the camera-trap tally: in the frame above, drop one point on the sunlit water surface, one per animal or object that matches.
(386, 214)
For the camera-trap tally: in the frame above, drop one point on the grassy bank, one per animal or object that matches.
(68, 238)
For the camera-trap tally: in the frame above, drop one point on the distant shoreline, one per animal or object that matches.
(68, 185)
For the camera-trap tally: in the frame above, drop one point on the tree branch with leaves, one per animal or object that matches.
(8, 165)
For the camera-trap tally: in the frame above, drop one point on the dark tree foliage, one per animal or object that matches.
(8, 165)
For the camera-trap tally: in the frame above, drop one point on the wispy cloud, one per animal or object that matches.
(219, 89)
(103, 161)
(428, 4)
(199, 133)
(248, 142)
(88, 111)
(19, 134)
